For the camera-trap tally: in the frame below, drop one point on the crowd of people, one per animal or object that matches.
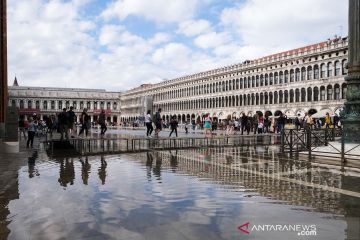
(64, 123)
(256, 124)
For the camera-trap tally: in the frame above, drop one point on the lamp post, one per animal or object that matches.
(3, 68)
(351, 114)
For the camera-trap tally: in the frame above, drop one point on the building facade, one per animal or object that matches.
(46, 101)
(294, 82)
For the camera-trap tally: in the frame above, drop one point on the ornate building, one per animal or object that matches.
(45, 101)
(294, 82)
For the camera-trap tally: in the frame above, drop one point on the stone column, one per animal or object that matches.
(3, 68)
(351, 115)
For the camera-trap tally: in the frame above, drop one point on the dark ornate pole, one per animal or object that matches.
(3, 68)
(352, 106)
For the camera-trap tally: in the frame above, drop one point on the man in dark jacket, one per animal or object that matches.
(102, 122)
(71, 121)
(63, 120)
(244, 124)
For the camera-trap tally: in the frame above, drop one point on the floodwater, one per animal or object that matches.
(218, 193)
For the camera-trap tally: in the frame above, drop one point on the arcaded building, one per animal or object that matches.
(294, 82)
(46, 101)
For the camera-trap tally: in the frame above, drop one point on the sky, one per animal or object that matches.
(119, 44)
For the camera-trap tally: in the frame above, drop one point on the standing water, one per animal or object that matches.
(216, 193)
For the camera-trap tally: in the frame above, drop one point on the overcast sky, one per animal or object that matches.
(120, 44)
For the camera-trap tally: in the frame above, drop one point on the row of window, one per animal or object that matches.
(283, 77)
(315, 94)
(51, 105)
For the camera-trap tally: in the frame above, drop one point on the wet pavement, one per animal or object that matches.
(249, 192)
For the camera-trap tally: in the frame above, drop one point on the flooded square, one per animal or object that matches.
(215, 193)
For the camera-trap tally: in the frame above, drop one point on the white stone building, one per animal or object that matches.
(45, 101)
(291, 82)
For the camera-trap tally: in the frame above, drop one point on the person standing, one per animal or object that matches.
(327, 120)
(260, 125)
(148, 123)
(63, 124)
(281, 123)
(267, 124)
(31, 133)
(244, 123)
(255, 122)
(158, 122)
(173, 125)
(207, 125)
(71, 121)
(102, 122)
(84, 122)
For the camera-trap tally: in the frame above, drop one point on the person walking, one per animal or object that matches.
(173, 125)
(148, 123)
(84, 122)
(71, 121)
(244, 123)
(102, 122)
(260, 125)
(186, 127)
(207, 126)
(281, 123)
(31, 133)
(255, 123)
(267, 124)
(158, 122)
(63, 124)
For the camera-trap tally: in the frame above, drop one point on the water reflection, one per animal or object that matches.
(173, 160)
(149, 162)
(67, 172)
(157, 168)
(102, 170)
(33, 171)
(178, 194)
(85, 170)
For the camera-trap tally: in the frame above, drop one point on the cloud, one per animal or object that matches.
(54, 42)
(193, 28)
(160, 11)
(212, 40)
(277, 25)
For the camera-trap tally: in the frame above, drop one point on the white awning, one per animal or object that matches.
(322, 113)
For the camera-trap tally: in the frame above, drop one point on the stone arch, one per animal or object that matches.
(268, 113)
(277, 113)
(312, 111)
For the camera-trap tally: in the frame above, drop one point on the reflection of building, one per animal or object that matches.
(292, 82)
(46, 101)
(262, 169)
